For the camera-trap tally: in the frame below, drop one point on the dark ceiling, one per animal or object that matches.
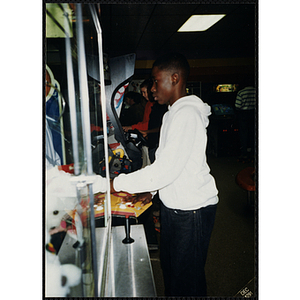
(227, 50)
(151, 29)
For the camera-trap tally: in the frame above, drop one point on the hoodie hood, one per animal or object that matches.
(194, 101)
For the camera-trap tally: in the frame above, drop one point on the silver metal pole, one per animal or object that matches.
(107, 216)
(83, 86)
(103, 106)
(84, 94)
(71, 93)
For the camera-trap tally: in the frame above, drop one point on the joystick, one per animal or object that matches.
(128, 239)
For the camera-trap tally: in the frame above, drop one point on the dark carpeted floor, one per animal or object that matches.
(231, 261)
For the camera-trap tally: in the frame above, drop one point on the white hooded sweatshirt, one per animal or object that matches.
(180, 171)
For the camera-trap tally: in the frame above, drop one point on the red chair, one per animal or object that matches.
(245, 179)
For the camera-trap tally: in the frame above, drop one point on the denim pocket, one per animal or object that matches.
(182, 219)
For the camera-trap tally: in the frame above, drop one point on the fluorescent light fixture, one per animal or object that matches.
(200, 22)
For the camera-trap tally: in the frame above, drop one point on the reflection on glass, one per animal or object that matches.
(74, 151)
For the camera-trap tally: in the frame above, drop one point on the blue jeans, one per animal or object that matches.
(185, 238)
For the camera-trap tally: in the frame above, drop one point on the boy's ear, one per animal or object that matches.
(175, 78)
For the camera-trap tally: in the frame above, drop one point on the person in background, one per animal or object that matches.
(245, 107)
(152, 119)
(143, 125)
(135, 112)
(182, 176)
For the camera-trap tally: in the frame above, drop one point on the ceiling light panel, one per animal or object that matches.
(200, 22)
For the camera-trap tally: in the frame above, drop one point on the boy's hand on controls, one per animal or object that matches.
(144, 198)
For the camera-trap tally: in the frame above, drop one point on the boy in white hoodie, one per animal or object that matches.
(182, 177)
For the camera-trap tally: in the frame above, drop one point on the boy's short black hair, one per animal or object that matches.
(174, 62)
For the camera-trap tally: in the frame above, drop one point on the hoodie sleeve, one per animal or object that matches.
(172, 154)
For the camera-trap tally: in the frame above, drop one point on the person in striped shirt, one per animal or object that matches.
(246, 99)
(245, 105)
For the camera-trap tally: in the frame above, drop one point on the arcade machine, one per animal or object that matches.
(91, 261)
(223, 138)
(124, 148)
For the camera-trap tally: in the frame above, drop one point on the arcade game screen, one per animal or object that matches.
(225, 88)
(222, 109)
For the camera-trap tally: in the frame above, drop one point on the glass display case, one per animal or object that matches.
(74, 114)
(85, 147)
